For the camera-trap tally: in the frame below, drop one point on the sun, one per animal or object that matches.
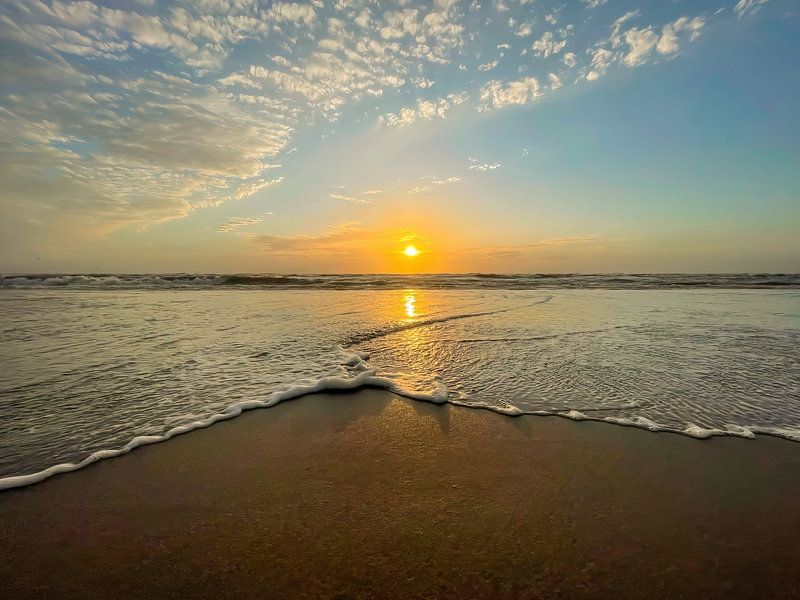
(411, 251)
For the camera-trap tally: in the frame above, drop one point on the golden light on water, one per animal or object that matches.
(410, 305)
(411, 251)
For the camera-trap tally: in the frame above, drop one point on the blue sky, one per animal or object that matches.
(246, 136)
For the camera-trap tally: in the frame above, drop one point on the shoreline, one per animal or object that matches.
(367, 380)
(367, 494)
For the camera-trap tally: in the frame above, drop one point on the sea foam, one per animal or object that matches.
(92, 375)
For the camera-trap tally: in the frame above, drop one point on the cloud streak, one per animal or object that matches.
(238, 222)
(337, 241)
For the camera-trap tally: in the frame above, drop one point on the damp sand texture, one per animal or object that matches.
(368, 495)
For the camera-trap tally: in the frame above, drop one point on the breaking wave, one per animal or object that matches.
(91, 377)
(439, 281)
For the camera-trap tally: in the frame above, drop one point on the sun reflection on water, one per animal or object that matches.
(410, 301)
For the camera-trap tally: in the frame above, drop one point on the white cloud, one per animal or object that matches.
(364, 18)
(348, 198)
(548, 45)
(594, 3)
(641, 43)
(601, 60)
(424, 109)
(570, 60)
(185, 146)
(431, 182)
(291, 12)
(281, 61)
(422, 82)
(488, 66)
(745, 7)
(496, 94)
(615, 38)
(524, 30)
(245, 190)
(476, 165)
(668, 43)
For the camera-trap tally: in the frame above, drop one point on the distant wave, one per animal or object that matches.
(440, 281)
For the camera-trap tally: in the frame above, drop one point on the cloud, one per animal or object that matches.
(134, 114)
(476, 165)
(431, 182)
(337, 241)
(548, 45)
(201, 38)
(642, 43)
(615, 38)
(669, 43)
(133, 152)
(523, 249)
(233, 224)
(348, 198)
(85, 139)
(422, 82)
(424, 110)
(601, 60)
(748, 7)
(524, 30)
(244, 190)
(594, 3)
(496, 94)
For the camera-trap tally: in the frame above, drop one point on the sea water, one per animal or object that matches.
(93, 367)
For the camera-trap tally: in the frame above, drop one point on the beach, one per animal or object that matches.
(443, 300)
(369, 495)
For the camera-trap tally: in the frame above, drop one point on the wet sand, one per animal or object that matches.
(368, 495)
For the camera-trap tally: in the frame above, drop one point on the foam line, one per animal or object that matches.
(367, 378)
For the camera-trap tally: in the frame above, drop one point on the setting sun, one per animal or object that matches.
(411, 251)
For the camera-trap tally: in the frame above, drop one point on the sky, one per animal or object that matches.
(325, 137)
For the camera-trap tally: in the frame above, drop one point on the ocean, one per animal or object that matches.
(96, 365)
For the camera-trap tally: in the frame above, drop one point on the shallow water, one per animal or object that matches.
(89, 370)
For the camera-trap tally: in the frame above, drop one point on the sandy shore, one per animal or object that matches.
(371, 496)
